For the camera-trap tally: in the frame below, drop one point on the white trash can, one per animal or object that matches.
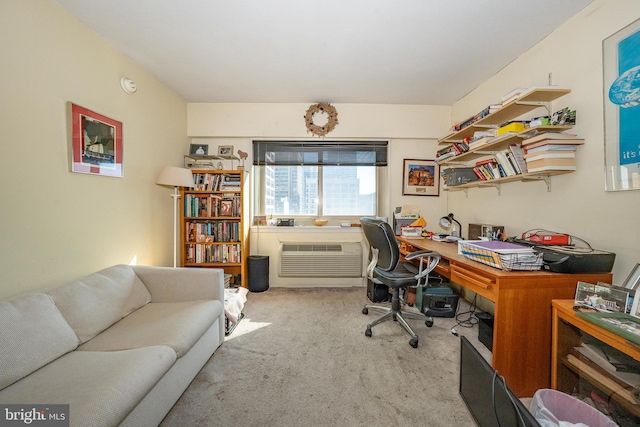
(553, 408)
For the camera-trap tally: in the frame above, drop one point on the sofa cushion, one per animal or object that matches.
(32, 334)
(97, 301)
(175, 324)
(101, 388)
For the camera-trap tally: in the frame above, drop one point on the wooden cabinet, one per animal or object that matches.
(574, 373)
(529, 101)
(214, 232)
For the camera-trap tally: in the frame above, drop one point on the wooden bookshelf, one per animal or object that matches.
(213, 227)
(576, 374)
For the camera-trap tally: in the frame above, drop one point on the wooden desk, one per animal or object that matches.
(522, 313)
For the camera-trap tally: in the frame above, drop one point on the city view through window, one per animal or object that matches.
(320, 191)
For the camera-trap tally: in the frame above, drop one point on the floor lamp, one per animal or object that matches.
(175, 177)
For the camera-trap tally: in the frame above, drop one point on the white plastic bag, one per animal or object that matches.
(553, 408)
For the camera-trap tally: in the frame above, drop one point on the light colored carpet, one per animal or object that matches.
(300, 358)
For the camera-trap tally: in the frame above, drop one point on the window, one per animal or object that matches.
(318, 179)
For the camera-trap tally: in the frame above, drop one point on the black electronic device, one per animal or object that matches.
(378, 292)
(285, 222)
(488, 398)
(571, 259)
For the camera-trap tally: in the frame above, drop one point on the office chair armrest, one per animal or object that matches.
(431, 258)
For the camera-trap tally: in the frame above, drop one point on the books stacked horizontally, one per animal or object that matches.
(610, 367)
(551, 151)
(230, 182)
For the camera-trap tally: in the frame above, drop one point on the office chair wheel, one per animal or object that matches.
(429, 323)
(367, 332)
(413, 342)
(365, 310)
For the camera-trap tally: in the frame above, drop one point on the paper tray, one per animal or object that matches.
(502, 255)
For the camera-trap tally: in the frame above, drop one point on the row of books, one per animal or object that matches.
(206, 254)
(216, 181)
(213, 231)
(551, 151)
(490, 109)
(211, 205)
(503, 164)
(452, 150)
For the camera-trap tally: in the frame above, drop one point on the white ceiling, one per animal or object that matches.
(429, 52)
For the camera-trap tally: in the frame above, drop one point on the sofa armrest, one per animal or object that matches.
(168, 284)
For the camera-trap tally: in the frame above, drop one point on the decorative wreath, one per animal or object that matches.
(321, 107)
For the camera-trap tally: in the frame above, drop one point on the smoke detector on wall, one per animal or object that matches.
(128, 85)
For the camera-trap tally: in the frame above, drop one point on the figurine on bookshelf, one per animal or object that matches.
(243, 155)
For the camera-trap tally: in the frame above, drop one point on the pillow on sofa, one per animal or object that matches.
(97, 301)
(32, 334)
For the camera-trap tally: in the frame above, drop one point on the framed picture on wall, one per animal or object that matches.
(420, 178)
(621, 75)
(96, 143)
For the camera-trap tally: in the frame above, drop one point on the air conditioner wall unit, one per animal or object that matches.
(325, 259)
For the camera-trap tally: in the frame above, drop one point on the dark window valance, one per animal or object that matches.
(320, 153)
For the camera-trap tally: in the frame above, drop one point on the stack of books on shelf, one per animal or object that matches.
(551, 151)
(609, 367)
(230, 182)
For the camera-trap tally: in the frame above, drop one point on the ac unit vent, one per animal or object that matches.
(304, 259)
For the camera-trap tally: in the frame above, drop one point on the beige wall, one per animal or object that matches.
(57, 225)
(577, 203)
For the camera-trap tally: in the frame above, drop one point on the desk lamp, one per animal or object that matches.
(175, 177)
(448, 221)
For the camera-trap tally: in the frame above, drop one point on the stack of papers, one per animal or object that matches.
(499, 254)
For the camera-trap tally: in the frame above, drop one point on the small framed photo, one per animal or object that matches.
(226, 208)
(420, 178)
(198, 149)
(96, 143)
(225, 150)
(601, 298)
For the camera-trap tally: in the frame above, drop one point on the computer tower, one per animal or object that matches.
(378, 292)
(485, 329)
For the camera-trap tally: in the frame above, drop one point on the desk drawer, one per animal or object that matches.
(474, 281)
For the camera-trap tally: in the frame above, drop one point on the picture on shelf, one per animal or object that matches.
(226, 208)
(199, 149)
(225, 150)
(601, 298)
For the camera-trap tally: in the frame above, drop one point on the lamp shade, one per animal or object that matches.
(172, 176)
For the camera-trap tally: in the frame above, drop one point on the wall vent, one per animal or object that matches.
(304, 259)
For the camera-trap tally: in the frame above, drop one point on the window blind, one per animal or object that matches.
(324, 153)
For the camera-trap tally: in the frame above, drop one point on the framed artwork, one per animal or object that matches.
(420, 178)
(225, 150)
(96, 143)
(226, 208)
(621, 71)
(601, 297)
(198, 149)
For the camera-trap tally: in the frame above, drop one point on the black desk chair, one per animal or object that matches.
(386, 268)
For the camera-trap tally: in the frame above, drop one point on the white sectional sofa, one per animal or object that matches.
(119, 346)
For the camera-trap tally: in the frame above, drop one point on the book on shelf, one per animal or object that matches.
(473, 144)
(550, 168)
(551, 162)
(518, 155)
(503, 161)
(551, 147)
(512, 95)
(549, 135)
(544, 142)
(611, 359)
(629, 392)
(539, 155)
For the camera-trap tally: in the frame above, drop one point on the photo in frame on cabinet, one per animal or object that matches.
(198, 149)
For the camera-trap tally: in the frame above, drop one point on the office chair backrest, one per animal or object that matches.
(380, 235)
